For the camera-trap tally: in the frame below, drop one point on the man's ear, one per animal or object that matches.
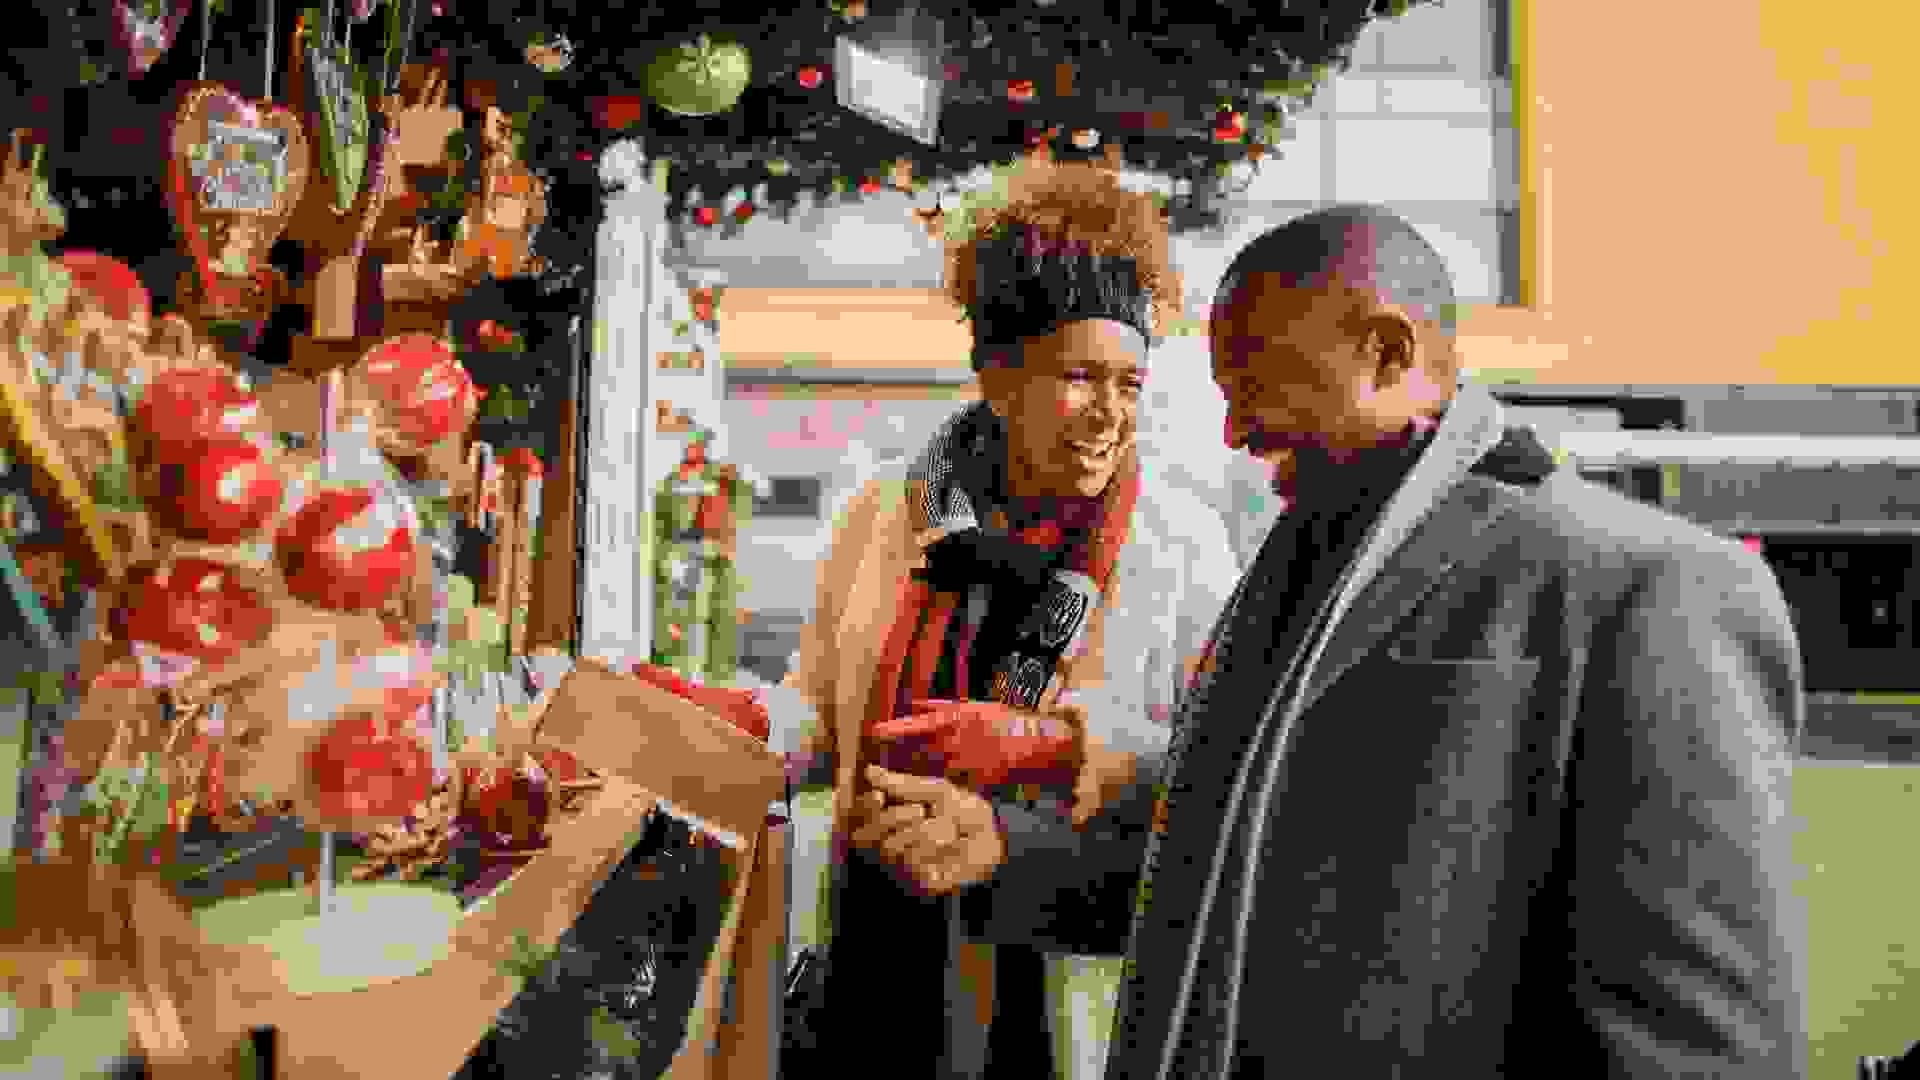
(1392, 345)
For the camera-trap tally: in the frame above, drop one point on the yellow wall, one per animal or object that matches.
(1720, 194)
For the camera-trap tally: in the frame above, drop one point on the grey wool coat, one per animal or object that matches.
(1532, 818)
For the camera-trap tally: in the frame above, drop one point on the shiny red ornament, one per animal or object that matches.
(1020, 91)
(811, 77)
(222, 493)
(428, 394)
(193, 607)
(184, 407)
(869, 187)
(358, 777)
(508, 805)
(337, 554)
(112, 282)
(705, 215)
(743, 213)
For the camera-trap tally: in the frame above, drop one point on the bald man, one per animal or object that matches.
(1485, 773)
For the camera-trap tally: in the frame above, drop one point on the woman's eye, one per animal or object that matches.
(1078, 376)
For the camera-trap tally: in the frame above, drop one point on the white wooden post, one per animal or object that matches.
(617, 607)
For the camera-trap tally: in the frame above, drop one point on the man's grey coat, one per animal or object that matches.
(1533, 817)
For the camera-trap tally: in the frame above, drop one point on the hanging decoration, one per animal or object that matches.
(551, 54)
(700, 78)
(894, 74)
(1153, 85)
(238, 169)
(145, 30)
(337, 102)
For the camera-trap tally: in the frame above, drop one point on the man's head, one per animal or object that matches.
(1065, 281)
(1333, 331)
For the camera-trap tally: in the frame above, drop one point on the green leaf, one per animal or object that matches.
(526, 961)
(613, 1038)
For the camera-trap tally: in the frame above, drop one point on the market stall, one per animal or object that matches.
(285, 776)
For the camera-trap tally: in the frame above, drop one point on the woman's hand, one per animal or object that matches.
(1105, 773)
(981, 744)
(942, 837)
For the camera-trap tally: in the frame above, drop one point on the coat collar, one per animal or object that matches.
(1432, 523)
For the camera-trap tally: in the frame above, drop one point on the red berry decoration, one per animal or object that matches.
(1229, 126)
(869, 187)
(186, 406)
(522, 460)
(811, 77)
(344, 550)
(1020, 91)
(743, 213)
(705, 215)
(193, 607)
(223, 493)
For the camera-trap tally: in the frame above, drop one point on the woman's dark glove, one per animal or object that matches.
(960, 560)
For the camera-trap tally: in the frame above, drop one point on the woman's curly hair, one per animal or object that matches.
(1077, 206)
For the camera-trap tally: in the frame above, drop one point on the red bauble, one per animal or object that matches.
(193, 607)
(705, 215)
(428, 393)
(112, 282)
(338, 553)
(509, 805)
(356, 778)
(1020, 90)
(185, 406)
(869, 187)
(223, 493)
(743, 212)
(811, 77)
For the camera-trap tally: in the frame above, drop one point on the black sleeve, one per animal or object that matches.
(1065, 889)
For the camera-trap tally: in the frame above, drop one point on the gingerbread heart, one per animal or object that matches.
(238, 168)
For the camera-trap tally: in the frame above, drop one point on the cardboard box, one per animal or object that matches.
(727, 778)
(692, 758)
